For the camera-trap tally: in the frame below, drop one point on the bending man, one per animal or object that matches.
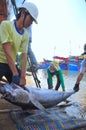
(54, 69)
(13, 39)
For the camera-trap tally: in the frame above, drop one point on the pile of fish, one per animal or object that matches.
(32, 97)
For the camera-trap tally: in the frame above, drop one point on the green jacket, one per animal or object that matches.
(57, 73)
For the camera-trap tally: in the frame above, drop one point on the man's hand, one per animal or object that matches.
(76, 87)
(22, 82)
(16, 79)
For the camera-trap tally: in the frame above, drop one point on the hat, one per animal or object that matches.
(32, 9)
(55, 64)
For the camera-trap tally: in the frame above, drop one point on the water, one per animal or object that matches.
(78, 107)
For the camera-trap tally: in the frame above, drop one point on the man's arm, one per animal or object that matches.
(11, 63)
(23, 69)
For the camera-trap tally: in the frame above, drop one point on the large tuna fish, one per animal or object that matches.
(32, 97)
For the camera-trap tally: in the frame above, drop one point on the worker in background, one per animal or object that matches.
(82, 70)
(54, 70)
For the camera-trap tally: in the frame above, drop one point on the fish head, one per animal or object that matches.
(21, 96)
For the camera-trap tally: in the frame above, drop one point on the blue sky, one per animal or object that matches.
(61, 28)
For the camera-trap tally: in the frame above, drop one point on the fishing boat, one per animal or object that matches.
(71, 63)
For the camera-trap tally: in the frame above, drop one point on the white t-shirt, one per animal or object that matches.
(83, 66)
